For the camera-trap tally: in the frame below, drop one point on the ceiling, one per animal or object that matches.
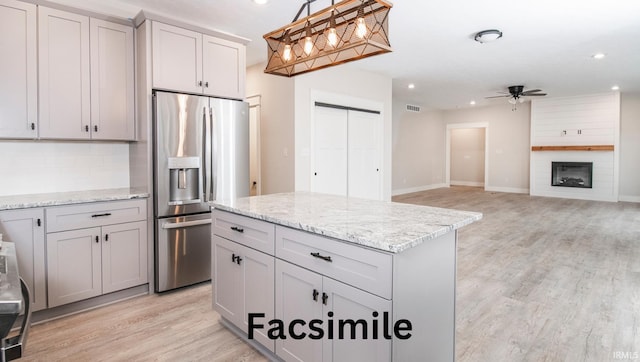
(547, 44)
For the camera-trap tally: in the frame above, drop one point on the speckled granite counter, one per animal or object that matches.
(67, 198)
(387, 226)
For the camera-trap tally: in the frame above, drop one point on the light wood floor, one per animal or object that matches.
(539, 279)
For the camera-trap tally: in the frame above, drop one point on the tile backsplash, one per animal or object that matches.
(28, 167)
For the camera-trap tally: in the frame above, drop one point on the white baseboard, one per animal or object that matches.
(467, 183)
(417, 189)
(628, 198)
(513, 190)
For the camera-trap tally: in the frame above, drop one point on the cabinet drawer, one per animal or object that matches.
(72, 217)
(363, 268)
(250, 232)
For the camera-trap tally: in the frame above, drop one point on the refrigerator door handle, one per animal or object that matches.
(184, 224)
(206, 153)
(213, 136)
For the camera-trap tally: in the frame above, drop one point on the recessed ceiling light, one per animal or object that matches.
(411, 86)
(598, 56)
(615, 87)
(260, 2)
(473, 103)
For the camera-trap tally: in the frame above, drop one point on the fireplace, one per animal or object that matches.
(572, 174)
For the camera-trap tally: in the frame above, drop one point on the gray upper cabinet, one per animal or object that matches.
(18, 78)
(189, 61)
(86, 77)
(112, 88)
(63, 62)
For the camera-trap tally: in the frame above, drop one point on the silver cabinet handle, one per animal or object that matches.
(184, 224)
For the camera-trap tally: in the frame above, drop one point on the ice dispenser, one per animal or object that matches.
(184, 180)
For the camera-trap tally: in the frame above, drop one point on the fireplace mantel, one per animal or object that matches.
(573, 148)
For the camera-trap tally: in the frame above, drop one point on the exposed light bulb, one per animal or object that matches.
(332, 37)
(615, 88)
(286, 54)
(361, 28)
(332, 33)
(308, 42)
(308, 45)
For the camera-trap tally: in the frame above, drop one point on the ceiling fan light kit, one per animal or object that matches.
(343, 32)
(487, 36)
(516, 94)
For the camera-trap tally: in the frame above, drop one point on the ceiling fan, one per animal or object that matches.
(516, 92)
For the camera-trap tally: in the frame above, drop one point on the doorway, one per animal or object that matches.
(466, 154)
(255, 182)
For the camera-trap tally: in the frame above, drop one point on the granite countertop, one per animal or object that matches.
(67, 198)
(387, 226)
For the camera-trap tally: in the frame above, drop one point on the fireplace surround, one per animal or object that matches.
(572, 174)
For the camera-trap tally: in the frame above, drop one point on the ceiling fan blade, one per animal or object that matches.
(506, 95)
(531, 91)
(535, 94)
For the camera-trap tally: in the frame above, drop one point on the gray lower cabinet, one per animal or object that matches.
(405, 301)
(87, 262)
(25, 228)
(306, 295)
(245, 285)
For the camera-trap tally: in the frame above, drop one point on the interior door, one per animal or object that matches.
(329, 168)
(364, 155)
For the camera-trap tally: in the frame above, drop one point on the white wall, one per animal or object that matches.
(467, 156)
(276, 128)
(508, 148)
(418, 149)
(344, 85)
(29, 167)
(629, 147)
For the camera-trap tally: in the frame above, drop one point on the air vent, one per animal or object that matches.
(412, 108)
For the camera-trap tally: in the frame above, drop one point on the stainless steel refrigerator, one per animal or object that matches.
(201, 154)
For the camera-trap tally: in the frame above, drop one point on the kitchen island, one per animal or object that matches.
(304, 276)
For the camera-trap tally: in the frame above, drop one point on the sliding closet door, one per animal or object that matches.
(364, 155)
(347, 152)
(329, 168)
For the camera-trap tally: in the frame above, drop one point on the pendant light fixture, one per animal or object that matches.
(343, 32)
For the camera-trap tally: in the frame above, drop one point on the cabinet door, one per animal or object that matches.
(227, 279)
(73, 265)
(124, 256)
(258, 285)
(177, 58)
(26, 229)
(223, 67)
(298, 296)
(111, 81)
(63, 59)
(349, 303)
(18, 82)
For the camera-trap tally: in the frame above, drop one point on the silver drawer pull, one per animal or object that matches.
(325, 258)
(175, 225)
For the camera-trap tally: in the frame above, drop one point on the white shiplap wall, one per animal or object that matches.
(570, 121)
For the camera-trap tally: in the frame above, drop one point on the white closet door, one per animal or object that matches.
(329, 168)
(365, 150)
